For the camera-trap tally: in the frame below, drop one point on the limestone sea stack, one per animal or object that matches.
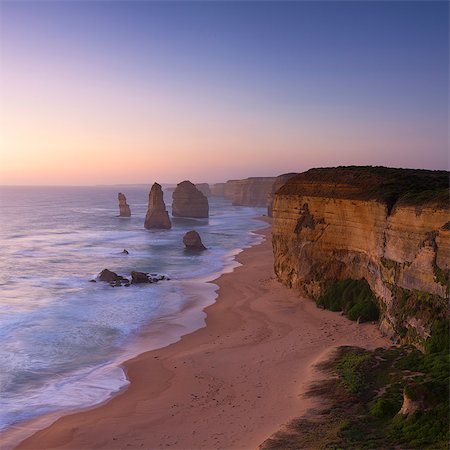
(157, 216)
(193, 241)
(124, 208)
(188, 201)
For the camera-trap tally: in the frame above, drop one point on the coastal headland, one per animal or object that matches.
(231, 384)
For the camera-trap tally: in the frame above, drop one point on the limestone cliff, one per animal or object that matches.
(277, 184)
(388, 226)
(204, 189)
(217, 189)
(188, 201)
(250, 191)
(157, 216)
(124, 208)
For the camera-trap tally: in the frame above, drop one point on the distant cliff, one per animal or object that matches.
(250, 191)
(388, 226)
(217, 189)
(204, 189)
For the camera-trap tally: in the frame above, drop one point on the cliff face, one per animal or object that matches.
(204, 189)
(277, 184)
(217, 189)
(334, 224)
(188, 201)
(250, 191)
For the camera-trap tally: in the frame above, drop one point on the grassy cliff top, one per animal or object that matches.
(388, 185)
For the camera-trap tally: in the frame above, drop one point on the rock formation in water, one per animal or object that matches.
(387, 226)
(278, 183)
(250, 191)
(157, 216)
(204, 189)
(217, 189)
(188, 201)
(124, 208)
(193, 241)
(113, 278)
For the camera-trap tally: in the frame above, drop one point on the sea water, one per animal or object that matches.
(62, 338)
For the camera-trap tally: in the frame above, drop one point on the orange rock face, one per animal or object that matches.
(278, 183)
(188, 201)
(332, 226)
(157, 216)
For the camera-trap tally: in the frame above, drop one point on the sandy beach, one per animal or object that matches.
(229, 385)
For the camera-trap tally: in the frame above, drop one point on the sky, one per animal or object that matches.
(110, 92)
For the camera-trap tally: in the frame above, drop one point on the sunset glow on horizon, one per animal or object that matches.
(120, 92)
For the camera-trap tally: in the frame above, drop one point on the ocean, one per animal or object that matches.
(62, 337)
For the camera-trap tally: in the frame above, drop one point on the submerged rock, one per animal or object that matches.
(124, 208)
(193, 241)
(125, 251)
(188, 201)
(157, 216)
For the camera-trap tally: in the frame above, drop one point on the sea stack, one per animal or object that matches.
(193, 241)
(124, 207)
(157, 216)
(188, 201)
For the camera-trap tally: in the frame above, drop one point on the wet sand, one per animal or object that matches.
(229, 385)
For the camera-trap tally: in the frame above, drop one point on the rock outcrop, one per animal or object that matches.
(157, 216)
(250, 191)
(277, 184)
(112, 278)
(193, 241)
(143, 277)
(124, 208)
(188, 201)
(217, 189)
(204, 189)
(116, 280)
(388, 226)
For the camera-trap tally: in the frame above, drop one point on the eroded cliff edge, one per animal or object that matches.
(388, 226)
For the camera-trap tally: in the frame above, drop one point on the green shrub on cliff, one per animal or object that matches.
(354, 297)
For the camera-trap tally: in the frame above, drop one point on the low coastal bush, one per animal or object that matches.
(354, 297)
(364, 402)
(351, 369)
(383, 407)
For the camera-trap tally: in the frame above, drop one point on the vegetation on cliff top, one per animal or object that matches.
(389, 185)
(364, 401)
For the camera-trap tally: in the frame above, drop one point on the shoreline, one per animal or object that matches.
(217, 386)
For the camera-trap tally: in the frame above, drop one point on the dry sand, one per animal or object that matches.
(229, 385)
